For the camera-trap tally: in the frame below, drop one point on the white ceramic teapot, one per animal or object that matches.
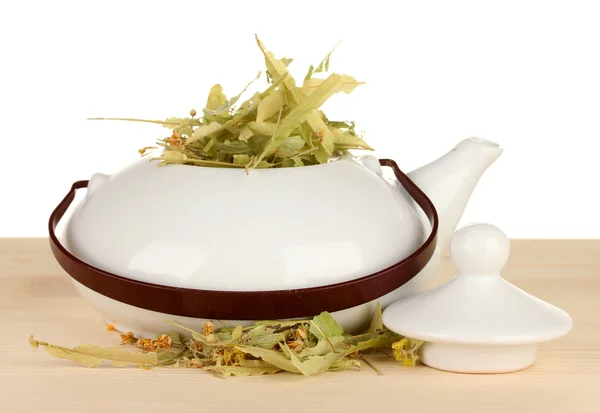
(187, 244)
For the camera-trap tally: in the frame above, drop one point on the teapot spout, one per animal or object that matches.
(450, 180)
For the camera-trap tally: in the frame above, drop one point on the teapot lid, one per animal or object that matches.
(477, 322)
(477, 306)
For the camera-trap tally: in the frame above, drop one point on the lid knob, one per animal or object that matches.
(479, 249)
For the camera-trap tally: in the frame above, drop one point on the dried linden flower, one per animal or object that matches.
(232, 356)
(405, 351)
(164, 341)
(296, 345)
(127, 338)
(208, 328)
(147, 344)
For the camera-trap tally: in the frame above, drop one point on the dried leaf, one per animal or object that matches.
(258, 368)
(216, 98)
(304, 110)
(168, 357)
(264, 164)
(242, 159)
(323, 66)
(291, 146)
(85, 360)
(171, 156)
(270, 106)
(276, 358)
(208, 147)
(277, 69)
(324, 326)
(213, 164)
(263, 337)
(321, 154)
(204, 130)
(347, 85)
(33, 342)
(269, 146)
(234, 99)
(280, 323)
(116, 354)
(117, 363)
(322, 131)
(320, 95)
(262, 128)
(347, 140)
(178, 123)
(92, 356)
(175, 338)
(168, 123)
(314, 364)
(376, 321)
(232, 147)
(323, 347)
(373, 342)
(245, 134)
(344, 364)
(237, 333)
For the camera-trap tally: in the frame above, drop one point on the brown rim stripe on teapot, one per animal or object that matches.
(249, 305)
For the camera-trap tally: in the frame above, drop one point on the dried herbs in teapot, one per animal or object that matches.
(281, 126)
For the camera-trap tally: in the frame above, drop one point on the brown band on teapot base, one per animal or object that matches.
(249, 305)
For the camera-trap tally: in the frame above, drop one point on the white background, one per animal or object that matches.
(522, 73)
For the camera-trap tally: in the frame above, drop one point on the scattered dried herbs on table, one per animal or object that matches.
(305, 347)
(282, 126)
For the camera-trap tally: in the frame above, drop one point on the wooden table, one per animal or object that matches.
(36, 297)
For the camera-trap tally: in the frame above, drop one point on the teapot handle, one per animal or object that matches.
(248, 305)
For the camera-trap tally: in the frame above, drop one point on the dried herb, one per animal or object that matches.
(92, 356)
(306, 347)
(283, 126)
(406, 351)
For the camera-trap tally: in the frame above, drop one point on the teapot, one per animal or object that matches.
(148, 245)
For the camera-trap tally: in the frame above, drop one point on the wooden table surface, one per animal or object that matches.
(36, 297)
